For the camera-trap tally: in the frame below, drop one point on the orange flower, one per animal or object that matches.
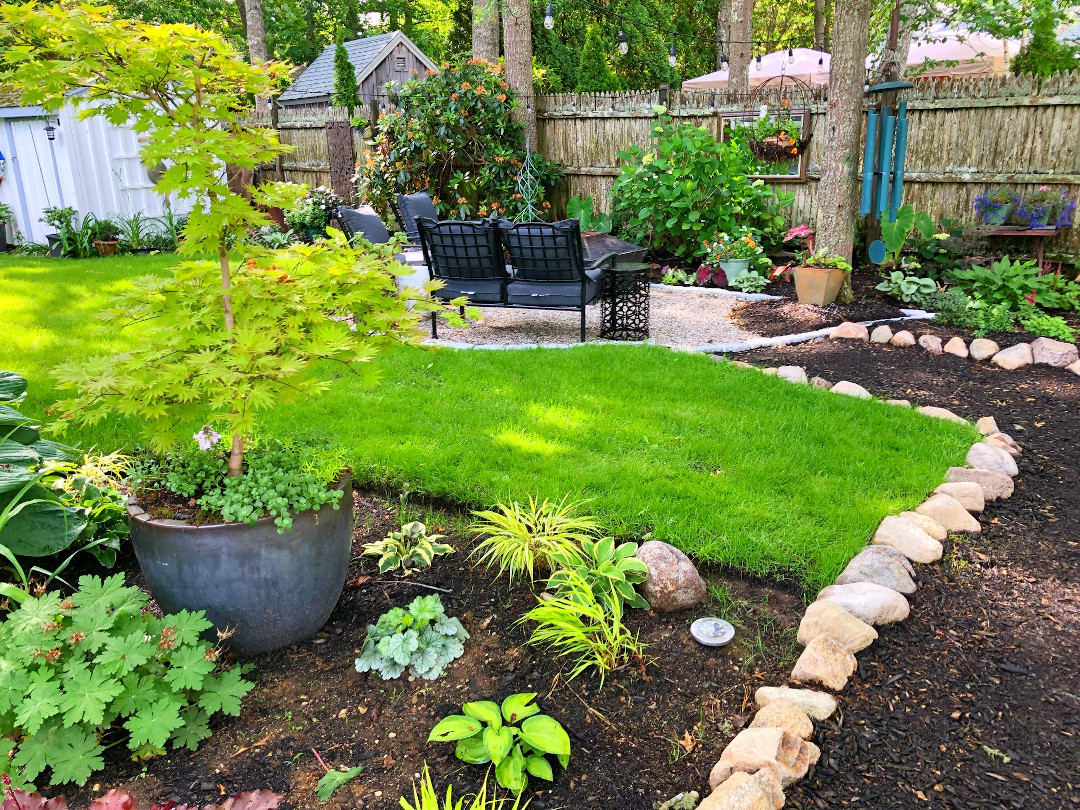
(466, 86)
(501, 97)
(455, 96)
(480, 91)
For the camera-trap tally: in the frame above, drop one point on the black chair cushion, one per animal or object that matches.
(478, 291)
(554, 293)
(363, 221)
(544, 251)
(412, 206)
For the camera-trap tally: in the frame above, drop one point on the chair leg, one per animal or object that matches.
(462, 311)
(582, 323)
(434, 328)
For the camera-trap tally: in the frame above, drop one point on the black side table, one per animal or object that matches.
(624, 302)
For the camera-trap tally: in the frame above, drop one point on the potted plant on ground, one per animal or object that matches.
(263, 550)
(6, 216)
(995, 205)
(60, 219)
(106, 236)
(732, 254)
(311, 214)
(818, 278)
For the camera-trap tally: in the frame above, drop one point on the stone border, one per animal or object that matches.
(1041, 351)
(774, 751)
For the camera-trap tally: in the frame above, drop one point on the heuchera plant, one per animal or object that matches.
(422, 638)
(118, 800)
(224, 337)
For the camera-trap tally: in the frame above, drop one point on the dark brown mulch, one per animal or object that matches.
(647, 735)
(974, 702)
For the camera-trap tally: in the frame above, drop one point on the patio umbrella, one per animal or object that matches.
(950, 52)
(802, 64)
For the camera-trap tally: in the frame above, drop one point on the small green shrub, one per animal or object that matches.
(750, 282)
(611, 572)
(909, 289)
(514, 737)
(1014, 284)
(410, 548)
(584, 208)
(312, 213)
(427, 799)
(938, 249)
(422, 638)
(1051, 326)
(75, 669)
(527, 540)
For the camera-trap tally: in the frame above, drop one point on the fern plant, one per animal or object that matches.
(97, 664)
(422, 638)
(527, 540)
(427, 799)
(411, 548)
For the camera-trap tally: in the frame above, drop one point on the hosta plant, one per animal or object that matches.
(424, 797)
(611, 572)
(422, 638)
(527, 540)
(410, 549)
(514, 737)
(909, 289)
(97, 669)
(118, 800)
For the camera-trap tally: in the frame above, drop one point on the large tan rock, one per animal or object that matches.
(1013, 357)
(983, 349)
(1005, 442)
(983, 456)
(908, 539)
(928, 525)
(932, 343)
(987, 425)
(969, 494)
(994, 485)
(903, 338)
(1074, 368)
(817, 705)
(828, 618)
(825, 662)
(788, 755)
(956, 347)
(881, 334)
(672, 582)
(1048, 352)
(950, 513)
(850, 331)
(882, 565)
(851, 389)
(874, 604)
(746, 791)
(786, 715)
(940, 413)
(795, 374)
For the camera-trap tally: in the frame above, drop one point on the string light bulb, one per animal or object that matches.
(549, 17)
(624, 46)
(671, 59)
(790, 56)
(758, 61)
(821, 61)
(723, 61)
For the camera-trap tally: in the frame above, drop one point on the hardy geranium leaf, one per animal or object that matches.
(153, 724)
(188, 668)
(42, 701)
(86, 695)
(222, 692)
(71, 753)
(195, 729)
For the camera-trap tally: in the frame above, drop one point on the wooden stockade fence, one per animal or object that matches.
(964, 136)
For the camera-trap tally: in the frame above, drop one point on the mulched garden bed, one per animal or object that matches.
(974, 702)
(644, 737)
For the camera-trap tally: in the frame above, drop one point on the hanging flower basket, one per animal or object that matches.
(778, 149)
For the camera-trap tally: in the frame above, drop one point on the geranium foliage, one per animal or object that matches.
(452, 134)
(118, 800)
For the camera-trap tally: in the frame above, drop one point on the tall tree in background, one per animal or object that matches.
(485, 29)
(837, 191)
(518, 53)
(819, 25)
(594, 73)
(742, 31)
(258, 51)
(891, 63)
(346, 92)
(723, 30)
(459, 42)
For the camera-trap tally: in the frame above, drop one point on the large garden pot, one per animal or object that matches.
(56, 245)
(270, 589)
(733, 268)
(818, 285)
(999, 216)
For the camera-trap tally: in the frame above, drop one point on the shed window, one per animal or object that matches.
(399, 64)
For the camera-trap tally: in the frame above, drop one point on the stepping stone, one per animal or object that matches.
(757, 749)
(851, 389)
(1074, 368)
(794, 374)
(874, 604)
(882, 565)
(932, 343)
(950, 513)
(672, 582)
(984, 456)
(969, 494)
(903, 403)
(881, 334)
(941, 413)
(957, 347)
(744, 791)
(928, 525)
(987, 425)
(817, 705)
(850, 331)
(995, 485)
(903, 338)
(828, 618)
(826, 662)
(786, 715)
(983, 349)
(1013, 357)
(820, 382)
(1056, 353)
(908, 539)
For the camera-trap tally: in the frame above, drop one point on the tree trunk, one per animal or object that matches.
(837, 192)
(893, 61)
(819, 25)
(739, 55)
(255, 28)
(236, 453)
(723, 31)
(518, 51)
(485, 32)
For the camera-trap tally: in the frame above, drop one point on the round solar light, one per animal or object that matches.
(712, 632)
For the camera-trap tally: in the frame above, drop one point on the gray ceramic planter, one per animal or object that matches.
(271, 589)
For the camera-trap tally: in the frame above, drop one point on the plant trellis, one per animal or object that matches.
(530, 186)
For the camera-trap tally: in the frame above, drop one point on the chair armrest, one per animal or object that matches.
(607, 259)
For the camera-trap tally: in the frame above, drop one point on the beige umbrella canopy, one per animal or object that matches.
(805, 64)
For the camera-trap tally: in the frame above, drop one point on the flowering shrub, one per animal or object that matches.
(1043, 205)
(452, 134)
(312, 214)
(993, 201)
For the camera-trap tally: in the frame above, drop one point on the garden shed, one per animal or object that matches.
(54, 160)
(390, 57)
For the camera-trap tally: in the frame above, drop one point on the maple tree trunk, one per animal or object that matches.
(236, 454)
(819, 25)
(739, 54)
(723, 30)
(518, 51)
(255, 30)
(838, 189)
(893, 62)
(485, 32)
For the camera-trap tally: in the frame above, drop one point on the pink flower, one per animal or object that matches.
(1031, 298)
(799, 232)
(207, 437)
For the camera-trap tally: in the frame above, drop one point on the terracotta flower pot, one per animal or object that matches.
(106, 248)
(818, 285)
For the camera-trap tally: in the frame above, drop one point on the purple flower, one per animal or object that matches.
(207, 437)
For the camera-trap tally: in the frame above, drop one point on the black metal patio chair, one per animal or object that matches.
(407, 207)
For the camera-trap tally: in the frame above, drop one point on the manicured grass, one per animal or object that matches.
(729, 464)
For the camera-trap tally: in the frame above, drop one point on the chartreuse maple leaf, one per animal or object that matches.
(86, 695)
(188, 669)
(222, 692)
(153, 724)
(72, 754)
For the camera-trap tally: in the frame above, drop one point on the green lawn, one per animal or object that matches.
(729, 464)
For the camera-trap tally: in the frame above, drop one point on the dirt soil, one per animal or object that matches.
(974, 702)
(642, 738)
